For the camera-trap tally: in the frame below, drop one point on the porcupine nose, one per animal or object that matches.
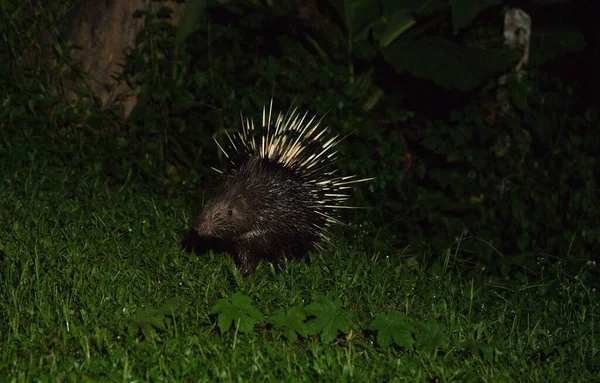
(204, 227)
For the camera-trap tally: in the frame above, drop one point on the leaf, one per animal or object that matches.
(548, 43)
(397, 24)
(480, 349)
(184, 102)
(449, 64)
(164, 13)
(465, 11)
(239, 310)
(149, 319)
(355, 13)
(194, 11)
(329, 319)
(291, 322)
(431, 337)
(141, 106)
(420, 7)
(393, 327)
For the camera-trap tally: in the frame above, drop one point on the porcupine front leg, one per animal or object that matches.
(244, 260)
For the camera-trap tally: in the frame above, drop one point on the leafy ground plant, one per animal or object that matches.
(238, 310)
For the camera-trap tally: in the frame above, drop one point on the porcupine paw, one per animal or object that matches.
(244, 263)
(246, 268)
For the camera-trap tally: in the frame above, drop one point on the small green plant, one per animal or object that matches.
(148, 320)
(431, 337)
(237, 311)
(393, 327)
(329, 319)
(397, 328)
(291, 322)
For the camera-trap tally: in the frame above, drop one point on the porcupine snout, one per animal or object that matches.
(201, 227)
(205, 225)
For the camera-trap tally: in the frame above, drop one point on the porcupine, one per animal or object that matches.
(281, 193)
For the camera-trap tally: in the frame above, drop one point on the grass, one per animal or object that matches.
(87, 260)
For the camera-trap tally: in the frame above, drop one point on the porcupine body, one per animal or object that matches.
(280, 194)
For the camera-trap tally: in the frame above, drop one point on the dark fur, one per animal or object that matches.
(262, 211)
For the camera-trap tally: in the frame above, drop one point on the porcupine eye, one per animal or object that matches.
(230, 213)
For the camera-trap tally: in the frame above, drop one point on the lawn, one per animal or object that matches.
(95, 285)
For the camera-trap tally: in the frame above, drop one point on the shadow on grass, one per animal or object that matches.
(194, 243)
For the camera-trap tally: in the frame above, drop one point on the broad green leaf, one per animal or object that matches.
(465, 11)
(239, 310)
(194, 11)
(393, 327)
(148, 319)
(480, 349)
(449, 64)
(431, 337)
(291, 322)
(356, 13)
(397, 24)
(329, 319)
